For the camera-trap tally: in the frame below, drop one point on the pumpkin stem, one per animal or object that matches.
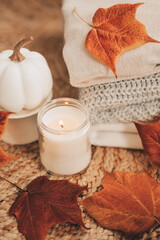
(17, 56)
(92, 26)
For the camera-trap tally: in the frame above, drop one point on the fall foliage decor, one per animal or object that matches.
(129, 202)
(150, 136)
(4, 157)
(45, 203)
(114, 31)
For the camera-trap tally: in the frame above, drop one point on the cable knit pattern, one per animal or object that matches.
(122, 93)
(124, 101)
(137, 112)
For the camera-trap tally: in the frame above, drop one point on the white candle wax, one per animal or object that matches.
(64, 143)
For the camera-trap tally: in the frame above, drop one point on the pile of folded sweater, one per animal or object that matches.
(114, 104)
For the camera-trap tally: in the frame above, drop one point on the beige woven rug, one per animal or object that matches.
(43, 20)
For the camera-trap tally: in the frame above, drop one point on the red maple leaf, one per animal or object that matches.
(4, 157)
(150, 136)
(45, 203)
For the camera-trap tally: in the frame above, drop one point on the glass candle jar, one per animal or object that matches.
(64, 143)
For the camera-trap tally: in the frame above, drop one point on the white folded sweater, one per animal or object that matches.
(122, 135)
(84, 69)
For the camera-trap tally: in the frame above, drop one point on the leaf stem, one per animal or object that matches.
(157, 220)
(12, 184)
(92, 26)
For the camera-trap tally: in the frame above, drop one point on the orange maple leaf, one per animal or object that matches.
(129, 202)
(4, 157)
(150, 136)
(115, 30)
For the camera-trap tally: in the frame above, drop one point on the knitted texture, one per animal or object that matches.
(141, 112)
(123, 101)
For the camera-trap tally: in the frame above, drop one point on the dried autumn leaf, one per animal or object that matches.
(150, 136)
(47, 202)
(129, 202)
(116, 30)
(4, 157)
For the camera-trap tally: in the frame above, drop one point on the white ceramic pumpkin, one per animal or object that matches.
(25, 78)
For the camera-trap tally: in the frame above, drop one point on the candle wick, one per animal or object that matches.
(61, 124)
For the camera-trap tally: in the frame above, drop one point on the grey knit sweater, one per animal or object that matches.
(124, 101)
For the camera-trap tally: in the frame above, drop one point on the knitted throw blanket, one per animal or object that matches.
(124, 101)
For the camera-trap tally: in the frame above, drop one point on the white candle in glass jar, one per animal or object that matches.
(64, 136)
